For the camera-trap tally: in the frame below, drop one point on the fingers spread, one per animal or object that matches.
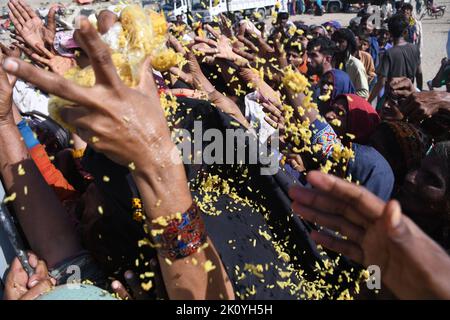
(333, 222)
(26, 10)
(15, 15)
(362, 200)
(344, 247)
(174, 43)
(213, 31)
(209, 42)
(324, 202)
(244, 54)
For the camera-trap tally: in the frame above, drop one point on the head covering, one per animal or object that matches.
(371, 170)
(333, 23)
(314, 26)
(362, 119)
(411, 141)
(341, 83)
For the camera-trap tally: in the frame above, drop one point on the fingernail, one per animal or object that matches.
(396, 218)
(10, 65)
(33, 283)
(78, 19)
(115, 285)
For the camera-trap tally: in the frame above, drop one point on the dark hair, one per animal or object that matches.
(364, 18)
(407, 6)
(397, 24)
(363, 37)
(345, 34)
(260, 26)
(282, 16)
(382, 32)
(327, 46)
(295, 45)
(301, 25)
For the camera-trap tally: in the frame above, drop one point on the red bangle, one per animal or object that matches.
(179, 237)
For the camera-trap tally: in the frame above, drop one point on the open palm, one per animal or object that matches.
(30, 29)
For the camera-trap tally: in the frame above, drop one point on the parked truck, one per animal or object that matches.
(205, 10)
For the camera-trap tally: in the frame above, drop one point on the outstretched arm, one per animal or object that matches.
(136, 136)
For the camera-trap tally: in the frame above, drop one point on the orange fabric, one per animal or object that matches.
(369, 66)
(52, 176)
(304, 66)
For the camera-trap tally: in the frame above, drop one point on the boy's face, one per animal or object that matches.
(407, 13)
(294, 58)
(342, 45)
(317, 32)
(364, 45)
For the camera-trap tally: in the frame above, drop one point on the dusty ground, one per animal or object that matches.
(435, 30)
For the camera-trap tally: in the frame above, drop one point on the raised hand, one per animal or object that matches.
(423, 105)
(129, 127)
(223, 47)
(27, 24)
(402, 87)
(56, 63)
(192, 73)
(125, 122)
(30, 30)
(375, 234)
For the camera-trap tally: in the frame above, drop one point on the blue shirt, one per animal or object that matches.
(372, 171)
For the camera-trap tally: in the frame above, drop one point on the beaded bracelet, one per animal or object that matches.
(179, 236)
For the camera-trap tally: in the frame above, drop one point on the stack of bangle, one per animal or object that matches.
(180, 236)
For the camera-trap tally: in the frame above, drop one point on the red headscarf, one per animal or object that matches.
(362, 119)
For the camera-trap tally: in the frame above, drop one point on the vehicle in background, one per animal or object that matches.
(154, 5)
(333, 6)
(174, 8)
(205, 10)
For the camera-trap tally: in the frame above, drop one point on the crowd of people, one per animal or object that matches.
(103, 198)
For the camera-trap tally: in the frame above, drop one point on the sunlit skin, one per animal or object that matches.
(295, 58)
(407, 13)
(317, 32)
(326, 82)
(318, 63)
(342, 45)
